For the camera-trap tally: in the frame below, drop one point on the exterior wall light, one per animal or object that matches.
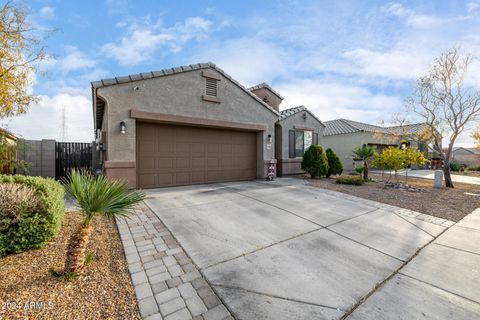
(123, 127)
(269, 138)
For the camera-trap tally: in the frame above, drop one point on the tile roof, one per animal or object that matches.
(266, 86)
(344, 126)
(291, 111)
(170, 71)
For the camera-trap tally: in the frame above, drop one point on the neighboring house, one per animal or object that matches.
(466, 156)
(344, 135)
(190, 125)
(8, 149)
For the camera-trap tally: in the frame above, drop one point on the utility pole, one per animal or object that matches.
(63, 132)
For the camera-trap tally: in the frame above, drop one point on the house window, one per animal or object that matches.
(211, 87)
(299, 141)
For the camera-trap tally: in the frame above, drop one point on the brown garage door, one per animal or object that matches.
(172, 155)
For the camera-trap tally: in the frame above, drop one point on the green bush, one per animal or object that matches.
(359, 170)
(454, 165)
(353, 180)
(31, 212)
(334, 164)
(315, 161)
(473, 168)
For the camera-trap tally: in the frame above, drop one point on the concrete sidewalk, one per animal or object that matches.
(441, 282)
(430, 174)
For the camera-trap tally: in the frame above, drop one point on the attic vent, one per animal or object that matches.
(211, 87)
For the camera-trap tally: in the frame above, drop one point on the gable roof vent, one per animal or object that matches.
(211, 87)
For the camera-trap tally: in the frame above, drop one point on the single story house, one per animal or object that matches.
(196, 124)
(466, 156)
(344, 135)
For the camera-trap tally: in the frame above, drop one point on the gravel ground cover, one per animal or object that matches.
(103, 291)
(451, 204)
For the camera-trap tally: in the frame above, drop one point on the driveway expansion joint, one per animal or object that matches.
(458, 249)
(276, 296)
(440, 288)
(397, 271)
(261, 248)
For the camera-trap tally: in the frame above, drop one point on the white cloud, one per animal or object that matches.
(332, 100)
(142, 41)
(75, 60)
(44, 119)
(47, 12)
(417, 20)
(473, 7)
(248, 60)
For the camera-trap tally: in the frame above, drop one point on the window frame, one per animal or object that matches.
(292, 142)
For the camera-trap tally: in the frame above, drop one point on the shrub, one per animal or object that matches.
(359, 170)
(32, 210)
(334, 164)
(473, 168)
(315, 161)
(454, 165)
(353, 180)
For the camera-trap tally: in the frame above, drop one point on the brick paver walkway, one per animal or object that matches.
(167, 283)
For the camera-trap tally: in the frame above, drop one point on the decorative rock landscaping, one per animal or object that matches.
(167, 283)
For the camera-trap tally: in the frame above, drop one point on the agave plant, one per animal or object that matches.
(95, 195)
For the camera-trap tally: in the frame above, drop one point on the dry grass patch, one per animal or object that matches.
(104, 289)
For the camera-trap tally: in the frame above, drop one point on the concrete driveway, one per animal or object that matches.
(285, 250)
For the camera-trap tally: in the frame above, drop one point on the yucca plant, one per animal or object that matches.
(95, 195)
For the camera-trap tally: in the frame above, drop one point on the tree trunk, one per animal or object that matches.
(365, 170)
(77, 248)
(448, 176)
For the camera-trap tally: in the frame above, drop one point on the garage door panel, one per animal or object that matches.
(146, 163)
(165, 164)
(164, 179)
(182, 147)
(169, 155)
(165, 147)
(182, 163)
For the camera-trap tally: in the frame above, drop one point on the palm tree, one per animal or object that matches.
(95, 195)
(364, 154)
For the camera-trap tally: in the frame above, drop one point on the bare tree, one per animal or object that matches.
(446, 103)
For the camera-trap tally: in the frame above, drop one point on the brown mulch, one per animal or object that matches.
(451, 204)
(103, 291)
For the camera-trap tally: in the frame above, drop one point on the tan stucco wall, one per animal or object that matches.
(285, 164)
(343, 144)
(181, 94)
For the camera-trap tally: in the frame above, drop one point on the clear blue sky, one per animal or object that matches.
(342, 59)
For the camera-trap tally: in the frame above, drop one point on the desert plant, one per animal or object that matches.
(364, 153)
(315, 161)
(454, 165)
(334, 164)
(359, 170)
(353, 180)
(31, 212)
(95, 195)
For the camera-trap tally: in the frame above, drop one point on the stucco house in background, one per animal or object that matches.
(344, 135)
(466, 156)
(193, 124)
